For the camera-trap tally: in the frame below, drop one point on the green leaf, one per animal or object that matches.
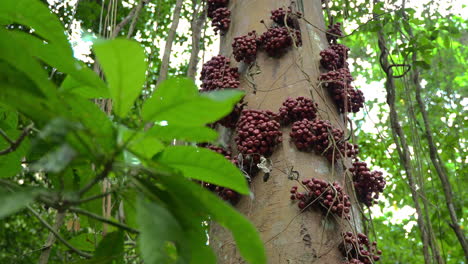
(159, 232)
(110, 249)
(38, 16)
(142, 144)
(100, 129)
(123, 62)
(8, 118)
(10, 164)
(202, 201)
(55, 161)
(130, 208)
(85, 241)
(15, 54)
(71, 85)
(177, 101)
(81, 79)
(204, 165)
(422, 64)
(12, 202)
(230, 96)
(186, 133)
(192, 221)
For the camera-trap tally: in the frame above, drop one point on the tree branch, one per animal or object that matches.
(135, 17)
(44, 258)
(133, 14)
(197, 25)
(54, 231)
(400, 140)
(103, 219)
(107, 169)
(170, 39)
(436, 160)
(14, 144)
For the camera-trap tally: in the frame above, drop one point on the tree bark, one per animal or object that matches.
(170, 39)
(197, 24)
(289, 236)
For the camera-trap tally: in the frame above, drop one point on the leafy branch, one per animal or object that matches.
(57, 235)
(14, 144)
(103, 219)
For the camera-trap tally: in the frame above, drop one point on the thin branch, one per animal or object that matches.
(44, 258)
(169, 41)
(107, 169)
(135, 17)
(91, 198)
(197, 25)
(14, 144)
(103, 219)
(6, 137)
(132, 15)
(57, 235)
(400, 140)
(436, 160)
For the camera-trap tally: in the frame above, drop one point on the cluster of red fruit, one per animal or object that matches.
(297, 109)
(320, 136)
(217, 74)
(343, 93)
(353, 261)
(244, 48)
(358, 249)
(368, 184)
(330, 196)
(225, 193)
(334, 32)
(221, 20)
(277, 40)
(215, 4)
(334, 57)
(280, 16)
(258, 133)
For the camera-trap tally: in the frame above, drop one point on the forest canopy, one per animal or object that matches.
(107, 144)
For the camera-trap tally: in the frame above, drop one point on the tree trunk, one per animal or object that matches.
(170, 39)
(289, 236)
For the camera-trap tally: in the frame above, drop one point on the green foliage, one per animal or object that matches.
(204, 165)
(15, 201)
(75, 153)
(123, 64)
(441, 53)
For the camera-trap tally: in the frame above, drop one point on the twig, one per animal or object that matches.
(57, 235)
(163, 71)
(102, 175)
(44, 258)
(133, 13)
(135, 17)
(435, 158)
(14, 144)
(103, 219)
(197, 24)
(400, 140)
(91, 198)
